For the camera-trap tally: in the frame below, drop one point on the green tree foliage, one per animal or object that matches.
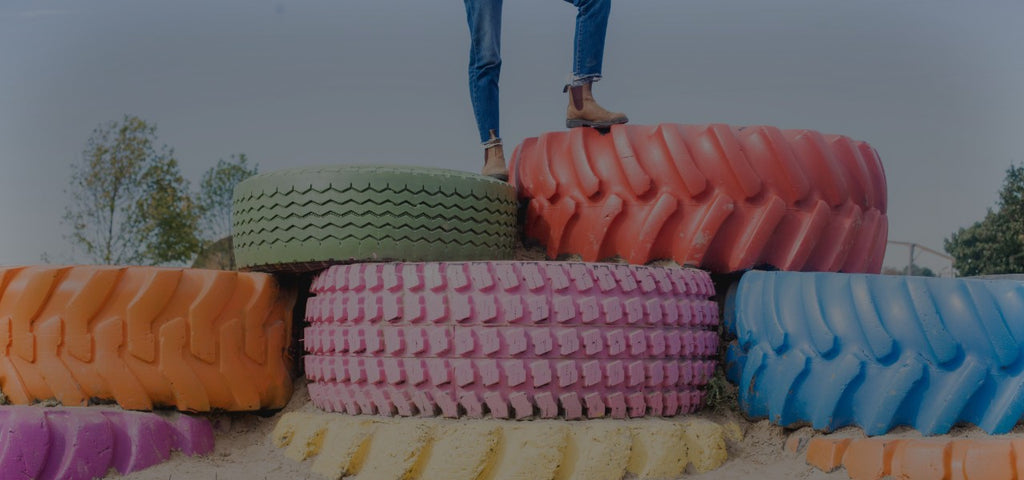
(917, 271)
(214, 199)
(995, 245)
(216, 189)
(129, 203)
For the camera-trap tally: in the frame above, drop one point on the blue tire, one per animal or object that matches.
(875, 351)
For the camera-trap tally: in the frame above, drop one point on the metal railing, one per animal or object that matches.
(917, 246)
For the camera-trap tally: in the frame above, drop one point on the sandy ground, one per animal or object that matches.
(244, 451)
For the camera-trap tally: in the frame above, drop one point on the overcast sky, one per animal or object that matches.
(936, 86)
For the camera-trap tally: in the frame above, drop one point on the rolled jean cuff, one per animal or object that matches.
(580, 80)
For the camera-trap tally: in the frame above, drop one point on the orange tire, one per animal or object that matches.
(718, 197)
(144, 337)
(993, 458)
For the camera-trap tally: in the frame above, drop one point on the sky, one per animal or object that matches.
(937, 87)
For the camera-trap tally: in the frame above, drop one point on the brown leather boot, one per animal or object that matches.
(494, 159)
(583, 110)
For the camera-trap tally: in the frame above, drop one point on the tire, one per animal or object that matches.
(875, 351)
(718, 197)
(144, 337)
(85, 443)
(343, 446)
(304, 219)
(873, 458)
(514, 339)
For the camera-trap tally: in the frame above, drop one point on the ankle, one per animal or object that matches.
(494, 163)
(495, 152)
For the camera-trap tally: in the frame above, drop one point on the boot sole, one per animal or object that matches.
(574, 123)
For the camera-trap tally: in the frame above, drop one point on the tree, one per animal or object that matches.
(214, 199)
(995, 245)
(917, 271)
(129, 202)
(216, 190)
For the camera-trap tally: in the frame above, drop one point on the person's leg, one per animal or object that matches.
(588, 43)
(588, 58)
(484, 18)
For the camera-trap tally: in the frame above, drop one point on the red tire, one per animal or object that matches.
(715, 196)
(513, 339)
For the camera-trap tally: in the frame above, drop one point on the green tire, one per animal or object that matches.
(303, 219)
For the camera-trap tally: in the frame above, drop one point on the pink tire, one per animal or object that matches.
(513, 339)
(85, 443)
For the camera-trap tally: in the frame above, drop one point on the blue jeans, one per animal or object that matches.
(484, 17)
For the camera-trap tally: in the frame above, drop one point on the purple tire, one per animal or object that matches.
(512, 339)
(84, 443)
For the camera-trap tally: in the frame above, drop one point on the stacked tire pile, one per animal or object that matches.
(415, 309)
(462, 331)
(89, 337)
